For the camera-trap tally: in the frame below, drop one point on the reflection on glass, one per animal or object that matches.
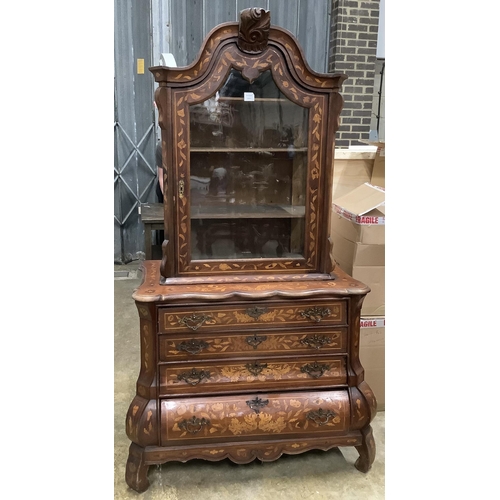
(248, 172)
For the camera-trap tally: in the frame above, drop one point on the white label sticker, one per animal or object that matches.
(376, 322)
(248, 96)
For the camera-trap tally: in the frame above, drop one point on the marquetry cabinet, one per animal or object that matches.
(249, 332)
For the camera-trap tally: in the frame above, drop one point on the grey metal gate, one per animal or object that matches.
(145, 29)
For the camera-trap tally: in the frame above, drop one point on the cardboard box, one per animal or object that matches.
(372, 356)
(374, 277)
(353, 167)
(358, 237)
(362, 233)
(355, 255)
(357, 205)
(366, 263)
(378, 172)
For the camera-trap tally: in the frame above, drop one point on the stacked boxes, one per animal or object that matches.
(358, 237)
(372, 356)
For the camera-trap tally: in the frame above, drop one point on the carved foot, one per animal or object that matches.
(366, 450)
(136, 473)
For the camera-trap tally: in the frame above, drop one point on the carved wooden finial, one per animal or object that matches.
(253, 32)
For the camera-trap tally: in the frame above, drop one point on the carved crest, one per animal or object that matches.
(253, 32)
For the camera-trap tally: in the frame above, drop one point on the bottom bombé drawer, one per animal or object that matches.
(254, 416)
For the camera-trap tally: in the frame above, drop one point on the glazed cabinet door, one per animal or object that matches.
(248, 161)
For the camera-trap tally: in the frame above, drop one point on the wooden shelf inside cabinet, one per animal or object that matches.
(228, 211)
(246, 150)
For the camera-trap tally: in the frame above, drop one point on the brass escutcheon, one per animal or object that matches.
(316, 341)
(194, 425)
(192, 346)
(256, 367)
(316, 314)
(320, 417)
(193, 377)
(314, 370)
(194, 321)
(255, 340)
(255, 312)
(257, 403)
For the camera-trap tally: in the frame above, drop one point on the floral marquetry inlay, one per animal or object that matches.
(234, 418)
(249, 332)
(251, 67)
(249, 374)
(241, 344)
(239, 287)
(276, 315)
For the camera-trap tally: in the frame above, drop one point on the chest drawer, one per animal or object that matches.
(250, 375)
(251, 316)
(266, 416)
(204, 346)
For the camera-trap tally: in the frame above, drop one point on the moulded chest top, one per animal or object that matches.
(151, 290)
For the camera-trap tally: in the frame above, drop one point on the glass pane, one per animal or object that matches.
(248, 172)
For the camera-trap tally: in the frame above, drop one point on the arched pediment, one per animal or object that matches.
(252, 35)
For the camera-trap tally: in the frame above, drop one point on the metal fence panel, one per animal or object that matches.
(313, 33)
(309, 21)
(134, 167)
(214, 13)
(285, 13)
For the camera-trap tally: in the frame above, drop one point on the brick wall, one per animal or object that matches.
(353, 48)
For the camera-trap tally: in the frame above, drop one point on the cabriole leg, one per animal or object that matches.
(136, 473)
(366, 450)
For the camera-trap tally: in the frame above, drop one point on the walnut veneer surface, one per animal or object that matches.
(281, 376)
(249, 334)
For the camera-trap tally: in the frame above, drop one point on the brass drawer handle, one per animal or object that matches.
(316, 314)
(255, 312)
(314, 370)
(255, 368)
(192, 346)
(316, 341)
(193, 377)
(194, 321)
(257, 403)
(320, 417)
(194, 425)
(255, 340)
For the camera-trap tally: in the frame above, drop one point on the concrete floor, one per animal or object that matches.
(311, 475)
